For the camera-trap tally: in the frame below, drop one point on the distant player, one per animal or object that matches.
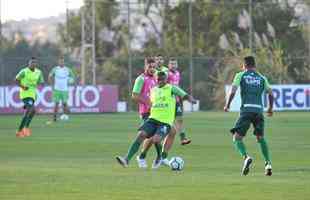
(60, 76)
(160, 66)
(141, 94)
(174, 78)
(28, 80)
(252, 85)
(161, 118)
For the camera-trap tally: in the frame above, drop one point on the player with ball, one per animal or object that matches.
(161, 119)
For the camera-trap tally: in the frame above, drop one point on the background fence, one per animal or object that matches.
(208, 38)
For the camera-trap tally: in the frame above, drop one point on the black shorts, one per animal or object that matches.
(28, 102)
(178, 109)
(245, 120)
(153, 127)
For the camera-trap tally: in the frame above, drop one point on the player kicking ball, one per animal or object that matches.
(28, 80)
(162, 116)
(252, 85)
(61, 76)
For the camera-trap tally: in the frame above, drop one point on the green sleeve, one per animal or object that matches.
(237, 79)
(266, 84)
(52, 72)
(138, 85)
(20, 75)
(178, 91)
(41, 78)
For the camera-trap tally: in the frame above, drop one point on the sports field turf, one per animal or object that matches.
(76, 160)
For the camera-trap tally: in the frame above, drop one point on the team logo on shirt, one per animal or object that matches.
(252, 80)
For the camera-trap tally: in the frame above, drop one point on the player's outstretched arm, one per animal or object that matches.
(190, 98)
(230, 97)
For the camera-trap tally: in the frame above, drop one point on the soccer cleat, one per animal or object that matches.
(268, 169)
(185, 141)
(246, 166)
(156, 163)
(20, 134)
(141, 162)
(165, 162)
(122, 161)
(27, 132)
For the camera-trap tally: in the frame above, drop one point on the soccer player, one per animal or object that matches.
(252, 85)
(174, 77)
(141, 94)
(28, 80)
(61, 76)
(161, 118)
(160, 67)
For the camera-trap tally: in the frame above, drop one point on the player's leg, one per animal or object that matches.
(145, 131)
(146, 146)
(239, 131)
(32, 112)
(56, 100)
(28, 104)
(168, 142)
(258, 124)
(179, 124)
(161, 132)
(56, 107)
(64, 98)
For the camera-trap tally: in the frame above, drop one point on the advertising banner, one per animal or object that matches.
(82, 99)
(286, 97)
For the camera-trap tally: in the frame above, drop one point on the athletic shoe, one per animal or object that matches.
(20, 134)
(156, 163)
(27, 132)
(141, 162)
(268, 169)
(246, 166)
(165, 162)
(122, 161)
(185, 141)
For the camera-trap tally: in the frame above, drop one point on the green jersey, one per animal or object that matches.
(163, 102)
(163, 69)
(30, 79)
(252, 86)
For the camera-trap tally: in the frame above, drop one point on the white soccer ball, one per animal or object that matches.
(176, 163)
(64, 117)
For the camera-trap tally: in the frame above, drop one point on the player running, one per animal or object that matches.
(60, 76)
(141, 94)
(161, 118)
(28, 80)
(174, 77)
(252, 85)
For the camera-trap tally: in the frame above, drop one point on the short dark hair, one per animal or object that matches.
(249, 61)
(149, 60)
(172, 59)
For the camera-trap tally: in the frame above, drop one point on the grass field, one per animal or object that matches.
(76, 160)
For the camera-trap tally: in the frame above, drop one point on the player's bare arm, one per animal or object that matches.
(270, 99)
(230, 97)
(18, 82)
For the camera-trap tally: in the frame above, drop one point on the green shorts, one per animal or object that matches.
(245, 120)
(28, 102)
(60, 96)
(178, 109)
(153, 127)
